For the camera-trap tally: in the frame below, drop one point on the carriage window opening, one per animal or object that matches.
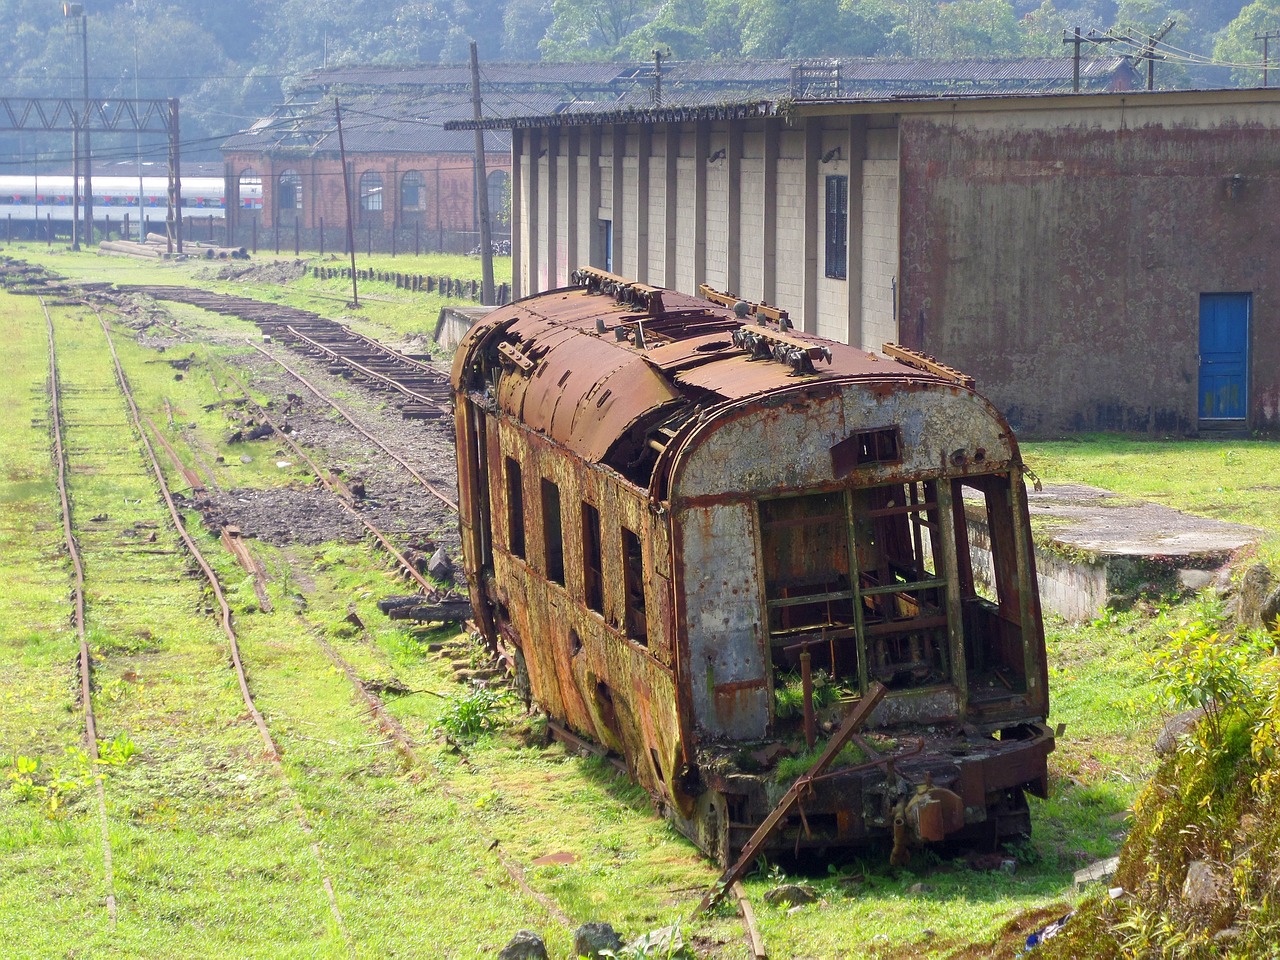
(515, 508)
(902, 587)
(866, 447)
(637, 626)
(808, 589)
(552, 532)
(592, 577)
(837, 227)
(986, 542)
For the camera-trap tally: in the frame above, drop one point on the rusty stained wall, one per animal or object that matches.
(1059, 257)
(776, 447)
(546, 616)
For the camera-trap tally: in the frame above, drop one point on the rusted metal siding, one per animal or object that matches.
(582, 668)
(1059, 258)
(783, 442)
(718, 576)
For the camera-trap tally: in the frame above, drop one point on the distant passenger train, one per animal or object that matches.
(28, 203)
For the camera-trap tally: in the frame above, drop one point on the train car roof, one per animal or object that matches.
(585, 364)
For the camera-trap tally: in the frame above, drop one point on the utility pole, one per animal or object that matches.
(1077, 39)
(1266, 39)
(657, 77)
(1149, 54)
(346, 195)
(482, 186)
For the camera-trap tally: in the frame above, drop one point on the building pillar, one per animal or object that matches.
(519, 212)
(533, 144)
(813, 224)
(733, 255)
(644, 149)
(672, 156)
(618, 195)
(769, 198)
(856, 150)
(595, 252)
(701, 150)
(571, 220)
(552, 230)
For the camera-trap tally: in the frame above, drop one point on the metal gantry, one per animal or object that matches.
(106, 115)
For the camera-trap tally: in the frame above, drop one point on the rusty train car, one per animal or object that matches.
(672, 507)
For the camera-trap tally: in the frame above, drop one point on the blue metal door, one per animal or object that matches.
(1224, 355)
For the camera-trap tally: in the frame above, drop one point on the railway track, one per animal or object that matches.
(377, 710)
(78, 599)
(418, 389)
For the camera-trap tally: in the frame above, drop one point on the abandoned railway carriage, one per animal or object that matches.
(704, 536)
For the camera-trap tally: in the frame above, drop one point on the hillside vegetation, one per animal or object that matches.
(229, 62)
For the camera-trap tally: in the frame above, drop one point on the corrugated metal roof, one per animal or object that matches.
(427, 109)
(379, 123)
(586, 386)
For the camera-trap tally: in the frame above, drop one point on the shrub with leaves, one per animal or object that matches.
(481, 711)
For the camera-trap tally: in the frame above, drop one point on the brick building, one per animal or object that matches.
(1098, 260)
(412, 184)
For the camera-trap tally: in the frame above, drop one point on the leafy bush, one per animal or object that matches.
(480, 712)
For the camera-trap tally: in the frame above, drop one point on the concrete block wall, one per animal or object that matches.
(731, 229)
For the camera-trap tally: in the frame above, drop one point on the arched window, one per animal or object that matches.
(289, 191)
(250, 190)
(371, 191)
(500, 198)
(413, 194)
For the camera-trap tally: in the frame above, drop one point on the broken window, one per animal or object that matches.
(413, 195)
(837, 262)
(515, 508)
(853, 577)
(809, 592)
(592, 577)
(636, 626)
(901, 586)
(289, 191)
(552, 532)
(371, 192)
(986, 537)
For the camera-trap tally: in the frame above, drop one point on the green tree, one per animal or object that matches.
(1237, 45)
(594, 29)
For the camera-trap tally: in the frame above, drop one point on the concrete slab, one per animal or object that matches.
(1095, 549)
(1097, 521)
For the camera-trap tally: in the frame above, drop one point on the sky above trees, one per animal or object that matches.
(230, 62)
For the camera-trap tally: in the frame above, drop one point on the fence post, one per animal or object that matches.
(297, 237)
(255, 236)
(322, 236)
(277, 233)
(417, 250)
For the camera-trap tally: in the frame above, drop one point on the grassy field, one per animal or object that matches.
(211, 857)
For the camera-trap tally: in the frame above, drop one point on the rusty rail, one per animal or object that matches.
(273, 751)
(451, 504)
(85, 665)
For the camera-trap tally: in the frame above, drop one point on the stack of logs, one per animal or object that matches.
(158, 247)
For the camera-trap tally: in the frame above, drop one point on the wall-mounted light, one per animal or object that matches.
(835, 153)
(1234, 186)
(718, 155)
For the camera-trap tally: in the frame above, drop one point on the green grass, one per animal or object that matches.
(1234, 480)
(209, 856)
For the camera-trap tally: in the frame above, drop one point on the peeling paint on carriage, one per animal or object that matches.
(663, 527)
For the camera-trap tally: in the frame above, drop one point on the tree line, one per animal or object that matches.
(231, 62)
